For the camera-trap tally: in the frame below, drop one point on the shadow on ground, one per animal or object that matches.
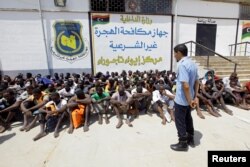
(6, 137)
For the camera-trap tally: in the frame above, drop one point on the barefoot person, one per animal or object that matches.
(187, 85)
(51, 113)
(79, 102)
(100, 102)
(163, 100)
(30, 107)
(121, 102)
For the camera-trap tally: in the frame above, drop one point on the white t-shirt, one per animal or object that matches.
(134, 91)
(64, 93)
(58, 106)
(157, 96)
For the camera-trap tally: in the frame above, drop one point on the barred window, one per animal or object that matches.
(244, 12)
(133, 6)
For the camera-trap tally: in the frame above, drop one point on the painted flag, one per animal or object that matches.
(100, 19)
(245, 30)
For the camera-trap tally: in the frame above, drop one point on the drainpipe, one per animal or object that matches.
(176, 32)
(44, 38)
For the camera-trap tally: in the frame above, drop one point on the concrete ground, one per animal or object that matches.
(147, 144)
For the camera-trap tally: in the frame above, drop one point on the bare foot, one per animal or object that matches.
(71, 129)
(218, 114)
(106, 120)
(119, 124)
(214, 114)
(200, 115)
(56, 134)
(230, 112)
(27, 128)
(164, 122)
(40, 135)
(100, 120)
(2, 129)
(149, 113)
(85, 128)
(129, 123)
(23, 128)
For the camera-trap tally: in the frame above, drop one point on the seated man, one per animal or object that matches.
(100, 102)
(51, 113)
(79, 102)
(240, 94)
(141, 99)
(204, 95)
(9, 105)
(121, 101)
(163, 100)
(30, 107)
(67, 92)
(212, 94)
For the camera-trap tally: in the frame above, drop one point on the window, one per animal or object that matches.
(133, 6)
(244, 12)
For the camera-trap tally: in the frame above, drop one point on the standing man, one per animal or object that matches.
(187, 85)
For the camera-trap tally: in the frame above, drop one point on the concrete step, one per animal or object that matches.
(228, 72)
(218, 58)
(228, 68)
(224, 61)
(222, 64)
(241, 76)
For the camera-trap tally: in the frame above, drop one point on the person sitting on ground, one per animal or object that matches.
(204, 95)
(51, 89)
(141, 99)
(121, 101)
(78, 107)
(111, 86)
(30, 81)
(9, 107)
(30, 107)
(100, 102)
(214, 94)
(51, 116)
(67, 92)
(240, 94)
(163, 100)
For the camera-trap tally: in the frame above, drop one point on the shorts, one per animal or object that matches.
(169, 104)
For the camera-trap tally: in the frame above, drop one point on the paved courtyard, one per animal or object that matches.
(144, 145)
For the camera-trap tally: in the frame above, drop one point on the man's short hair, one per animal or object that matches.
(36, 91)
(181, 48)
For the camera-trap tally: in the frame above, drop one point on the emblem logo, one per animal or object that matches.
(68, 43)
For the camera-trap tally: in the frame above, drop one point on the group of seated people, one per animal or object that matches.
(84, 98)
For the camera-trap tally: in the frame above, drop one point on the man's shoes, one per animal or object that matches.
(181, 146)
(190, 142)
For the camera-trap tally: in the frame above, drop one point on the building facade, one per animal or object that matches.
(115, 35)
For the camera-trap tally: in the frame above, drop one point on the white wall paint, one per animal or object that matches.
(207, 9)
(19, 4)
(22, 45)
(72, 5)
(225, 35)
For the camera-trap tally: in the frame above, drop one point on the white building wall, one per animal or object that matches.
(19, 4)
(72, 5)
(22, 41)
(22, 46)
(207, 9)
(225, 34)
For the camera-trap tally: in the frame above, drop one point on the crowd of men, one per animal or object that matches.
(81, 98)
